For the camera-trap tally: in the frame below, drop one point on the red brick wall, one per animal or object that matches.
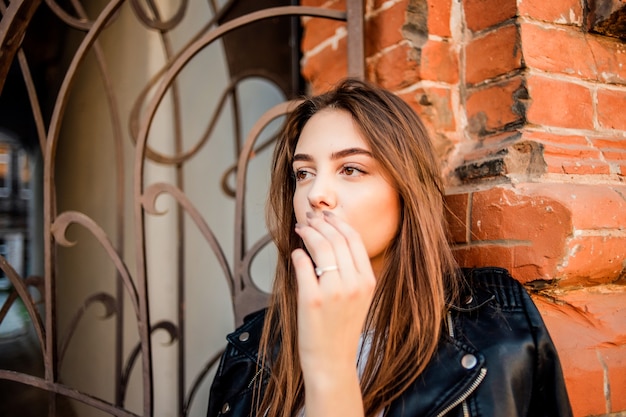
(527, 110)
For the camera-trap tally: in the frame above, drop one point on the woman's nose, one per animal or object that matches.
(322, 193)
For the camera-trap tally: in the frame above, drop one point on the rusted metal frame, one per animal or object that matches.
(32, 281)
(170, 74)
(156, 156)
(247, 258)
(137, 106)
(148, 201)
(82, 24)
(15, 21)
(157, 23)
(226, 188)
(58, 388)
(30, 88)
(356, 42)
(163, 28)
(33, 99)
(119, 201)
(20, 287)
(50, 360)
(247, 298)
(63, 222)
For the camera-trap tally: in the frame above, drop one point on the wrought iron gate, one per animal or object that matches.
(135, 194)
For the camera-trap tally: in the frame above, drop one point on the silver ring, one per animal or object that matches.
(320, 271)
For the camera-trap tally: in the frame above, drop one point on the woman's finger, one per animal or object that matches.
(319, 247)
(340, 247)
(305, 275)
(357, 249)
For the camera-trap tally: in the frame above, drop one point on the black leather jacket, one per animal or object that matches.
(497, 359)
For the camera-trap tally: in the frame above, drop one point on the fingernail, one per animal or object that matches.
(310, 215)
(328, 213)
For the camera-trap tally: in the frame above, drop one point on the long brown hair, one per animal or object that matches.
(418, 277)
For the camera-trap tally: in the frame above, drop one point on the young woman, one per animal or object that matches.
(369, 314)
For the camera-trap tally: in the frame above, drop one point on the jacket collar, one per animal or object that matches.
(247, 337)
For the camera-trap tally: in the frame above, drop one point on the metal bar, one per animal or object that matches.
(13, 26)
(356, 43)
(246, 297)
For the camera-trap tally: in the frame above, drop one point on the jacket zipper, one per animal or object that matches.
(255, 377)
(467, 393)
(471, 389)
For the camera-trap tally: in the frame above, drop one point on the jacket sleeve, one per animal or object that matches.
(233, 385)
(549, 395)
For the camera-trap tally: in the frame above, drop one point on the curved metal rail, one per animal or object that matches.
(246, 296)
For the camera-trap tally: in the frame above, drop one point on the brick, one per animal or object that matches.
(317, 30)
(513, 257)
(557, 11)
(434, 106)
(437, 117)
(477, 256)
(592, 260)
(560, 152)
(609, 57)
(458, 206)
(496, 53)
(554, 164)
(543, 49)
(588, 327)
(613, 151)
(500, 214)
(559, 103)
(612, 109)
(586, 56)
(565, 165)
(396, 68)
(521, 223)
(583, 200)
(617, 143)
(439, 62)
(590, 167)
(324, 69)
(614, 156)
(481, 14)
(556, 139)
(384, 29)
(439, 17)
(491, 108)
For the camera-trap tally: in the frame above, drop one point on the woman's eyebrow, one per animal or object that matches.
(335, 155)
(350, 151)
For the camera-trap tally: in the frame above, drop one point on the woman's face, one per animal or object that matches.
(335, 171)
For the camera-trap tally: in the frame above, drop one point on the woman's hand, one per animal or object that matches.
(332, 309)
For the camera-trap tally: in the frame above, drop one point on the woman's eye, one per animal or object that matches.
(351, 171)
(301, 174)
